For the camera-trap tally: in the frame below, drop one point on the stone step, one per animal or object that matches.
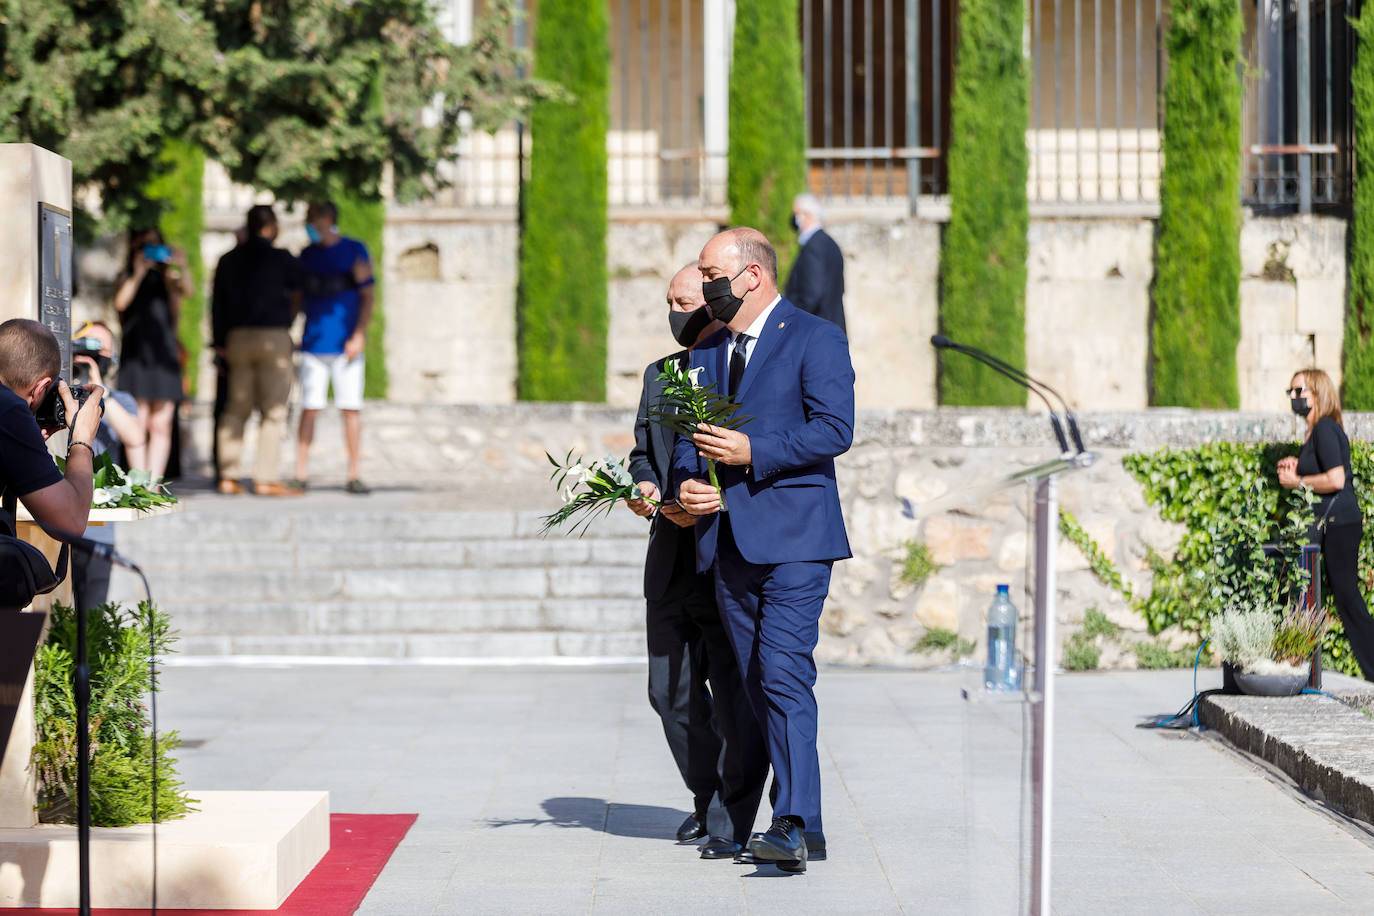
(207, 526)
(406, 618)
(488, 645)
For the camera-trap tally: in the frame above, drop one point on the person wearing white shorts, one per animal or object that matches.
(338, 298)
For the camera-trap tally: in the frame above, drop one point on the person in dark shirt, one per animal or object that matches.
(815, 283)
(1323, 464)
(30, 362)
(254, 303)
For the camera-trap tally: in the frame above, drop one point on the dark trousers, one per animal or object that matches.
(772, 613)
(712, 734)
(1340, 556)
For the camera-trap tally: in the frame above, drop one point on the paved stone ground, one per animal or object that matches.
(551, 791)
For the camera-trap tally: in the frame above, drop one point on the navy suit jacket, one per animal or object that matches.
(799, 388)
(652, 459)
(816, 282)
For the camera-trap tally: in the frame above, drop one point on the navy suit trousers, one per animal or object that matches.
(772, 613)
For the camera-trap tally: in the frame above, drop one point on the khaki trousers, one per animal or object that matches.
(260, 375)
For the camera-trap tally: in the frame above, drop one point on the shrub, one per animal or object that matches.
(1154, 655)
(561, 298)
(364, 218)
(1359, 327)
(1081, 653)
(767, 157)
(938, 639)
(983, 262)
(1196, 324)
(1095, 623)
(121, 764)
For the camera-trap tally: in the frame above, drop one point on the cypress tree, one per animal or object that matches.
(1359, 318)
(1197, 252)
(767, 158)
(178, 193)
(561, 301)
(364, 218)
(983, 261)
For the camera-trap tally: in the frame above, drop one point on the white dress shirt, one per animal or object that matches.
(755, 329)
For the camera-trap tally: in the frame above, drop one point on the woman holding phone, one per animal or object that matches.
(152, 286)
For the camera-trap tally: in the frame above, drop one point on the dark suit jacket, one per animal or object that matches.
(816, 282)
(799, 388)
(652, 460)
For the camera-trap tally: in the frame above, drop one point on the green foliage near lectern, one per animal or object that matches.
(1196, 325)
(179, 193)
(562, 296)
(767, 157)
(1358, 380)
(121, 750)
(983, 260)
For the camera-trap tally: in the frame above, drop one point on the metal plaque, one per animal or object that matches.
(55, 277)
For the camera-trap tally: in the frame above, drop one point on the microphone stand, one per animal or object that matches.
(1041, 696)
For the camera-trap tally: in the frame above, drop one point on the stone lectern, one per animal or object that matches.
(35, 282)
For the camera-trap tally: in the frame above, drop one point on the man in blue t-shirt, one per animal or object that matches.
(338, 296)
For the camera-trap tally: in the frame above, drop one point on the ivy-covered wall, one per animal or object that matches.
(561, 299)
(1358, 379)
(767, 158)
(1196, 324)
(983, 259)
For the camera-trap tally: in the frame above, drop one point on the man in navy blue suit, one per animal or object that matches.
(815, 283)
(777, 531)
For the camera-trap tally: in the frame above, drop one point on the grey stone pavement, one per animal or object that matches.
(550, 790)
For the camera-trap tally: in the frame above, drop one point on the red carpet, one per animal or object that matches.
(360, 845)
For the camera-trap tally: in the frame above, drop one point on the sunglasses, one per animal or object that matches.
(1295, 392)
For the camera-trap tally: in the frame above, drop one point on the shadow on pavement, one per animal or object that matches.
(643, 821)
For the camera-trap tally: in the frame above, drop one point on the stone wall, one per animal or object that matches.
(485, 458)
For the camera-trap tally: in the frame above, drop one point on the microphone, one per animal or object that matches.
(941, 342)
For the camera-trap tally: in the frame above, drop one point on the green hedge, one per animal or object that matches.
(1197, 259)
(561, 299)
(1228, 496)
(983, 262)
(1359, 322)
(180, 191)
(364, 219)
(767, 158)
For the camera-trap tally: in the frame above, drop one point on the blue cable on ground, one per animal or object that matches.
(1172, 722)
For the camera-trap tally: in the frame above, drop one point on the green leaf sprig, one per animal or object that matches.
(116, 488)
(685, 405)
(589, 489)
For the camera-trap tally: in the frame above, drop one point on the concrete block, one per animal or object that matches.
(584, 645)
(255, 586)
(241, 619)
(415, 584)
(1321, 303)
(205, 528)
(414, 526)
(482, 645)
(596, 582)
(194, 556)
(375, 645)
(534, 552)
(595, 614)
(241, 850)
(373, 554)
(620, 523)
(361, 617)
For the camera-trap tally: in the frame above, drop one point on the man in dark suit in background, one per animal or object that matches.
(816, 282)
(778, 530)
(686, 638)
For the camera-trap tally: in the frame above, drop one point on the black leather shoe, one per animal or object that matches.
(782, 844)
(720, 848)
(745, 857)
(691, 829)
(815, 845)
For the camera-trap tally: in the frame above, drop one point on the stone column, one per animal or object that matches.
(29, 178)
(718, 29)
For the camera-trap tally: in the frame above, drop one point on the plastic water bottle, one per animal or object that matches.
(1002, 671)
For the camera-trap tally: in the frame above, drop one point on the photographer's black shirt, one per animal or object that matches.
(1326, 448)
(25, 465)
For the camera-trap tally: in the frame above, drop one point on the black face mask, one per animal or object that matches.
(1300, 406)
(687, 326)
(720, 298)
(796, 226)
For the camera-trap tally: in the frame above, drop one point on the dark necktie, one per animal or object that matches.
(737, 362)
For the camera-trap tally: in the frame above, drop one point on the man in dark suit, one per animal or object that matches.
(816, 282)
(778, 529)
(687, 641)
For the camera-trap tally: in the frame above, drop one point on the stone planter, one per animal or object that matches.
(1265, 685)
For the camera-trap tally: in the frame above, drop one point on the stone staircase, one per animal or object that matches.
(282, 579)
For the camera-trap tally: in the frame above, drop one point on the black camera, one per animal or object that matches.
(89, 347)
(52, 412)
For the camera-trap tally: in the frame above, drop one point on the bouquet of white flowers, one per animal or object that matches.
(116, 488)
(589, 489)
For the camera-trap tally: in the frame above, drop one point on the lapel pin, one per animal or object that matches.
(781, 325)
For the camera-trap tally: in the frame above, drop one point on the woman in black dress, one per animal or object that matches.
(1323, 464)
(148, 299)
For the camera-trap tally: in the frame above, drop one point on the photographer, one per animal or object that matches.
(30, 361)
(120, 430)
